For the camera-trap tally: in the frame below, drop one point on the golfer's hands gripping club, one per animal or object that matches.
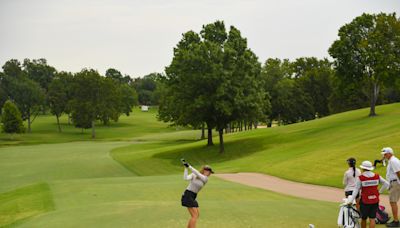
(185, 163)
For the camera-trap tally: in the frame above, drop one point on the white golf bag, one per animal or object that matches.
(348, 217)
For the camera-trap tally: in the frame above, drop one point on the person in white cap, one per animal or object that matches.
(392, 175)
(368, 183)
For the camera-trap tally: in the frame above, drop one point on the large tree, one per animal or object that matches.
(85, 104)
(314, 78)
(214, 79)
(368, 50)
(291, 86)
(98, 98)
(39, 71)
(127, 96)
(29, 97)
(26, 93)
(58, 95)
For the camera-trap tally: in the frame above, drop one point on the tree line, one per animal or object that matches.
(33, 87)
(216, 82)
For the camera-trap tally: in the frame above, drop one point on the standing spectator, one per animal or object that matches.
(392, 175)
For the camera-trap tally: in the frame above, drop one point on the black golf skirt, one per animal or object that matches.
(189, 199)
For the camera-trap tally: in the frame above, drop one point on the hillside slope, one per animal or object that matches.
(311, 152)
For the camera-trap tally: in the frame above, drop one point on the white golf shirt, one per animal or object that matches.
(392, 168)
(197, 180)
(349, 181)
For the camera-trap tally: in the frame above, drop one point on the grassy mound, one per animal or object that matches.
(312, 152)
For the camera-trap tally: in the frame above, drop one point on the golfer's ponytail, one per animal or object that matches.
(352, 163)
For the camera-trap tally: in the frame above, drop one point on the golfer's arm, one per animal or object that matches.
(186, 176)
(198, 174)
(344, 179)
(385, 184)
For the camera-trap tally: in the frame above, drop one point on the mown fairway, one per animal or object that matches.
(317, 149)
(78, 184)
(44, 130)
(116, 182)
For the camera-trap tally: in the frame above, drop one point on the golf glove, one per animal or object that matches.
(185, 163)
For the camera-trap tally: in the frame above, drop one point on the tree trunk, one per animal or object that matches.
(245, 125)
(93, 130)
(221, 141)
(203, 135)
(373, 99)
(29, 122)
(209, 137)
(58, 123)
(279, 120)
(69, 119)
(256, 125)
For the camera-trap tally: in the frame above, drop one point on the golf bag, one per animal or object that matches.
(382, 217)
(348, 217)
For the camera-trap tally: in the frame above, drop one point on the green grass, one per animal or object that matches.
(45, 130)
(69, 180)
(155, 202)
(90, 189)
(18, 205)
(317, 149)
(23, 165)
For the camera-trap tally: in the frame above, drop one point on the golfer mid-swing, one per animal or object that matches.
(197, 181)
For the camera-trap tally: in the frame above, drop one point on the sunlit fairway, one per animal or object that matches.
(131, 177)
(44, 129)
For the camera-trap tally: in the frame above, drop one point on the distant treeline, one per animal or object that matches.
(216, 82)
(35, 87)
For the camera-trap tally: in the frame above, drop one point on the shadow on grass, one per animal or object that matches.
(19, 205)
(210, 154)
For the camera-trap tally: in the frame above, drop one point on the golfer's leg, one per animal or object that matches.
(371, 223)
(395, 211)
(195, 217)
(363, 223)
(191, 211)
(194, 214)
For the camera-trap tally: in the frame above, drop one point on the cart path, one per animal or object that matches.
(307, 191)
